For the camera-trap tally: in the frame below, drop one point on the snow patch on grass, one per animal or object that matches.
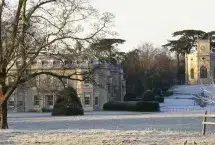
(98, 137)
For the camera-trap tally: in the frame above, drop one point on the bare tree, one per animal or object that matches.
(30, 27)
(146, 68)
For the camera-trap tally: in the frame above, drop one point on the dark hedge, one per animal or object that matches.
(141, 106)
(159, 99)
(148, 95)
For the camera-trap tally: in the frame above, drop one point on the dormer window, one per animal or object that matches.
(34, 62)
(18, 63)
(51, 62)
(39, 62)
(61, 62)
(44, 62)
(66, 62)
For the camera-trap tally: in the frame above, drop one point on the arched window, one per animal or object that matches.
(192, 73)
(203, 72)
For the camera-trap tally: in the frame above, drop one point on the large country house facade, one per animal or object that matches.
(106, 84)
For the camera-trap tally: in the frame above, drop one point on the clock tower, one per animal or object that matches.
(200, 64)
(203, 46)
(204, 60)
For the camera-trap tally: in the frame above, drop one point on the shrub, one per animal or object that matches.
(148, 106)
(141, 106)
(120, 106)
(167, 93)
(159, 99)
(67, 103)
(148, 96)
(129, 97)
(33, 110)
(46, 110)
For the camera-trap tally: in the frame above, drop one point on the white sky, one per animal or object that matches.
(139, 21)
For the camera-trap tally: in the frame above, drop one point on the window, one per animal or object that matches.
(38, 80)
(65, 81)
(39, 62)
(192, 73)
(45, 62)
(34, 62)
(10, 80)
(96, 100)
(28, 71)
(56, 62)
(87, 98)
(11, 103)
(36, 100)
(51, 62)
(66, 62)
(109, 88)
(203, 72)
(18, 63)
(50, 100)
(87, 80)
(20, 103)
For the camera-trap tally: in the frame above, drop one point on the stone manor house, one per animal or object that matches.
(200, 64)
(40, 93)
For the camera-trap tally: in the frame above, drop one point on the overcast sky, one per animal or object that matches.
(139, 21)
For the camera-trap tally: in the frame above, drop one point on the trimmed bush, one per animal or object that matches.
(148, 106)
(168, 93)
(159, 99)
(46, 110)
(67, 103)
(142, 106)
(33, 110)
(129, 97)
(148, 96)
(120, 106)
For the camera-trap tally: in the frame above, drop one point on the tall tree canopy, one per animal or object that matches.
(107, 47)
(187, 40)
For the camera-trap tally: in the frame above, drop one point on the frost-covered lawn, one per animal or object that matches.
(108, 121)
(179, 121)
(105, 128)
(107, 137)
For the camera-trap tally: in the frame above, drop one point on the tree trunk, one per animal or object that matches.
(3, 116)
(178, 68)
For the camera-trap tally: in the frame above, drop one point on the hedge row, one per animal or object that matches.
(167, 94)
(141, 106)
(159, 99)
